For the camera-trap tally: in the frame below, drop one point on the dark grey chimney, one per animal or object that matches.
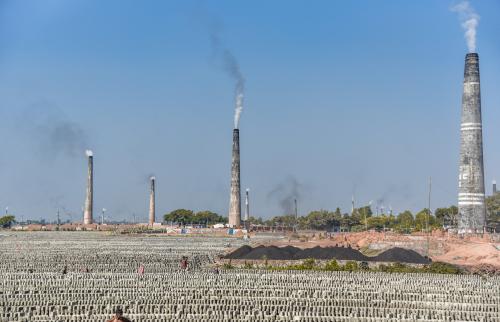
(152, 209)
(89, 200)
(471, 205)
(235, 197)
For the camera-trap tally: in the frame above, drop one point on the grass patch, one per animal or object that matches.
(311, 264)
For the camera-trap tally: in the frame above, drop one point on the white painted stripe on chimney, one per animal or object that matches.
(471, 200)
(470, 128)
(470, 203)
(471, 124)
(471, 83)
(471, 194)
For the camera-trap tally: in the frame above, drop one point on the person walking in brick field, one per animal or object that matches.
(140, 270)
(184, 263)
(118, 317)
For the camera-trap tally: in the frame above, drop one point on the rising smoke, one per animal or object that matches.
(231, 66)
(89, 153)
(53, 131)
(394, 192)
(285, 193)
(469, 19)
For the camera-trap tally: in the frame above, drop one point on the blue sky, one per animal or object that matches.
(341, 97)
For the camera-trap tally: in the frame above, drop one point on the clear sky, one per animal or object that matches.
(341, 97)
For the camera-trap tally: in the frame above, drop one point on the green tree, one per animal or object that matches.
(421, 220)
(208, 217)
(446, 216)
(182, 216)
(405, 221)
(318, 219)
(493, 207)
(7, 221)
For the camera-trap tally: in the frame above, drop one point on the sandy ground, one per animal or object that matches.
(475, 253)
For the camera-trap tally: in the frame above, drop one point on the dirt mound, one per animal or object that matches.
(401, 255)
(396, 254)
(339, 253)
(270, 252)
(240, 252)
(291, 249)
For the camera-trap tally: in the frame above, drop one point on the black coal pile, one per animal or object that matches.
(401, 255)
(340, 253)
(270, 252)
(240, 252)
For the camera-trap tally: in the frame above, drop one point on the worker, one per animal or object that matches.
(118, 317)
(140, 270)
(184, 263)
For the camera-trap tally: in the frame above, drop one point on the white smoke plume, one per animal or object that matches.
(89, 153)
(470, 20)
(232, 68)
(152, 178)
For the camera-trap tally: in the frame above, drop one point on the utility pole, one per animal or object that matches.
(58, 218)
(296, 216)
(102, 215)
(429, 215)
(247, 208)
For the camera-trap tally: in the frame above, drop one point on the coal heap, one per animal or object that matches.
(270, 252)
(340, 253)
(240, 252)
(401, 255)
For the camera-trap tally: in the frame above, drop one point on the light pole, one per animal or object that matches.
(296, 216)
(247, 208)
(102, 215)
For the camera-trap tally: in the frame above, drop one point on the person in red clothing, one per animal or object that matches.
(140, 270)
(184, 263)
(118, 317)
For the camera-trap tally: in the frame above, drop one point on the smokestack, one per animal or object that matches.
(235, 197)
(152, 202)
(247, 205)
(494, 187)
(89, 200)
(471, 205)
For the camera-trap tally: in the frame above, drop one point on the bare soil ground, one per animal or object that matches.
(473, 253)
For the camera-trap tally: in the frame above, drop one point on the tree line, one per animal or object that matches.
(186, 217)
(360, 219)
(364, 219)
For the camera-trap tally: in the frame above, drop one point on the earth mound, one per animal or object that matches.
(401, 255)
(339, 253)
(240, 252)
(396, 254)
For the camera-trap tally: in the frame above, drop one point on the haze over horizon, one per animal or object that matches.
(340, 99)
